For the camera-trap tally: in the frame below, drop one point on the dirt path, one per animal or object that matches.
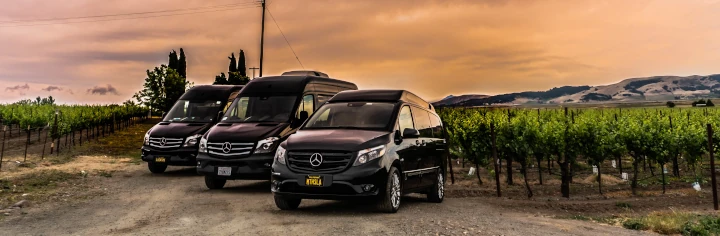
(177, 202)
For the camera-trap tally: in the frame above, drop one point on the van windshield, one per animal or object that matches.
(260, 109)
(189, 111)
(352, 115)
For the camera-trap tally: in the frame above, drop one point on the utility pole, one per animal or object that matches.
(253, 69)
(262, 37)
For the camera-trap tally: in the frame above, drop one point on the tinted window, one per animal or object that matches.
(405, 120)
(321, 98)
(422, 122)
(260, 109)
(360, 115)
(307, 104)
(194, 111)
(436, 126)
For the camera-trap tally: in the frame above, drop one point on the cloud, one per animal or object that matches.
(18, 88)
(100, 90)
(52, 88)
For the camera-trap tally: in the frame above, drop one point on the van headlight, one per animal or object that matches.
(147, 138)
(280, 155)
(192, 140)
(366, 155)
(266, 145)
(203, 145)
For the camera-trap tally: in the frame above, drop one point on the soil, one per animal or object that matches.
(177, 202)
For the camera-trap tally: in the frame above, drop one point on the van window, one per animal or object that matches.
(405, 119)
(422, 122)
(352, 115)
(306, 105)
(193, 111)
(436, 126)
(261, 109)
(322, 98)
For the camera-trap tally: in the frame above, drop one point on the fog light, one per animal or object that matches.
(367, 187)
(275, 186)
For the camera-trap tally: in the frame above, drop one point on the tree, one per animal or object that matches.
(163, 86)
(182, 64)
(235, 75)
(670, 104)
(233, 64)
(220, 79)
(173, 60)
(241, 64)
(709, 103)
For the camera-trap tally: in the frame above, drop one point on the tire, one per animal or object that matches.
(214, 183)
(437, 192)
(285, 203)
(156, 168)
(392, 194)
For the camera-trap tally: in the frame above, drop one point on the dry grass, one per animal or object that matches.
(607, 180)
(663, 222)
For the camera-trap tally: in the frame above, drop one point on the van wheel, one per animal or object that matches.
(437, 192)
(390, 201)
(285, 203)
(214, 183)
(156, 168)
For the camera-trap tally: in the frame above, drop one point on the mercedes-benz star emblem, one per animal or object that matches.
(227, 147)
(316, 160)
(163, 142)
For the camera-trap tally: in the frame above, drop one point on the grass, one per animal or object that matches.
(624, 205)
(32, 183)
(675, 223)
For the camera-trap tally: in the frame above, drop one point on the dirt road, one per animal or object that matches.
(177, 202)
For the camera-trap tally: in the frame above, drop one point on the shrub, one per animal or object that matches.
(635, 224)
(707, 225)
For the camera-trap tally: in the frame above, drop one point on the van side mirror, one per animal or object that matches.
(397, 137)
(410, 133)
(219, 116)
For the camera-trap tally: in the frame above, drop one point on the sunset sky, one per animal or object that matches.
(433, 48)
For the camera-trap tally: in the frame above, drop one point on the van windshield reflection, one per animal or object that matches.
(260, 109)
(352, 115)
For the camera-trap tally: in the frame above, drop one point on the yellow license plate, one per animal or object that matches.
(160, 159)
(314, 180)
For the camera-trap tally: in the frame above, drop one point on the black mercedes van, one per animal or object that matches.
(368, 144)
(265, 113)
(174, 141)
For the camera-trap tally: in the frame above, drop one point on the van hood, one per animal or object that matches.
(348, 140)
(244, 132)
(178, 130)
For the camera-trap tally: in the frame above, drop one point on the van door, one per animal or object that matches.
(425, 146)
(407, 151)
(438, 147)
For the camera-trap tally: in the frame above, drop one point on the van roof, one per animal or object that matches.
(210, 92)
(381, 95)
(288, 85)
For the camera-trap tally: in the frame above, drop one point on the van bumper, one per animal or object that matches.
(254, 167)
(367, 181)
(178, 157)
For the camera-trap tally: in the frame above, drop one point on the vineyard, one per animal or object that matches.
(26, 126)
(654, 143)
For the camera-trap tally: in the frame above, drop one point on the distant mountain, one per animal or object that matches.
(450, 100)
(657, 88)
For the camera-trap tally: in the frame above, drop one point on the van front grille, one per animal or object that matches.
(331, 161)
(230, 149)
(165, 143)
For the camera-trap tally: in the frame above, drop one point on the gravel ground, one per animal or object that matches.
(177, 203)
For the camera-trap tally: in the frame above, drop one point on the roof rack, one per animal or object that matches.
(306, 73)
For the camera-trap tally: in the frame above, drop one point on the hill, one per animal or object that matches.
(656, 88)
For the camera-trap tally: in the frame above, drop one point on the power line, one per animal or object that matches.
(67, 20)
(286, 40)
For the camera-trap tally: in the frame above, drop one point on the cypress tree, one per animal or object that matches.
(233, 64)
(241, 64)
(173, 60)
(182, 65)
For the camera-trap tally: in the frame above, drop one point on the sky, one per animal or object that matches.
(432, 48)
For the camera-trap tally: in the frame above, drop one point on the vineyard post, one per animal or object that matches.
(42, 157)
(496, 161)
(55, 134)
(2, 151)
(27, 142)
(712, 166)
